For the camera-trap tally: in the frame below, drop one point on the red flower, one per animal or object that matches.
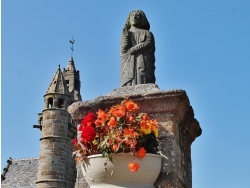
(74, 141)
(88, 134)
(88, 119)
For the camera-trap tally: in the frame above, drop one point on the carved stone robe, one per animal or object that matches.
(139, 67)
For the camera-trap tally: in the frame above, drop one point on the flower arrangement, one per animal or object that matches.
(122, 128)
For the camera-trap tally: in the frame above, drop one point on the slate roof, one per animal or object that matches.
(21, 173)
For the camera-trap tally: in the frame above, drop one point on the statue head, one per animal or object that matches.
(138, 19)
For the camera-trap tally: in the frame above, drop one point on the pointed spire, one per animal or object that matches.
(71, 65)
(58, 84)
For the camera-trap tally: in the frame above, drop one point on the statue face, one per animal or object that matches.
(135, 18)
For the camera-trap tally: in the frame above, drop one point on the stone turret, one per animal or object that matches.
(57, 167)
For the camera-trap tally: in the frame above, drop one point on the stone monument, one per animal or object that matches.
(172, 109)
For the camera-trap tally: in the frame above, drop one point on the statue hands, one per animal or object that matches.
(131, 51)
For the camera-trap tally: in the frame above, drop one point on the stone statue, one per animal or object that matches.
(137, 51)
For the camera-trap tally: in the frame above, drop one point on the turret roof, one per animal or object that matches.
(58, 84)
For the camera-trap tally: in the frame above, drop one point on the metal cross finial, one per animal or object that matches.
(72, 41)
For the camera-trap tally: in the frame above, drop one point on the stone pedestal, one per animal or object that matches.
(178, 127)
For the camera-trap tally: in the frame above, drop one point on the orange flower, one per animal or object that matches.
(112, 123)
(127, 132)
(115, 147)
(145, 127)
(133, 167)
(101, 115)
(145, 116)
(118, 111)
(154, 126)
(131, 119)
(130, 105)
(141, 153)
(130, 133)
(132, 144)
(119, 139)
(143, 124)
(98, 123)
(111, 110)
(110, 141)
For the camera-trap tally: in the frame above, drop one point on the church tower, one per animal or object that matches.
(57, 167)
(72, 79)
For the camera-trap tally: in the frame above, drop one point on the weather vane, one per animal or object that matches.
(72, 41)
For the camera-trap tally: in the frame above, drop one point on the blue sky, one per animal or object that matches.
(202, 47)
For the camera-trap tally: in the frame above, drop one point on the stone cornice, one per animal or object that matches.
(148, 96)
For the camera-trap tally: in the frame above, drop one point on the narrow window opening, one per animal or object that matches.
(50, 103)
(60, 103)
(77, 85)
(67, 82)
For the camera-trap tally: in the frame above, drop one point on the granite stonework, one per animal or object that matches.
(178, 127)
